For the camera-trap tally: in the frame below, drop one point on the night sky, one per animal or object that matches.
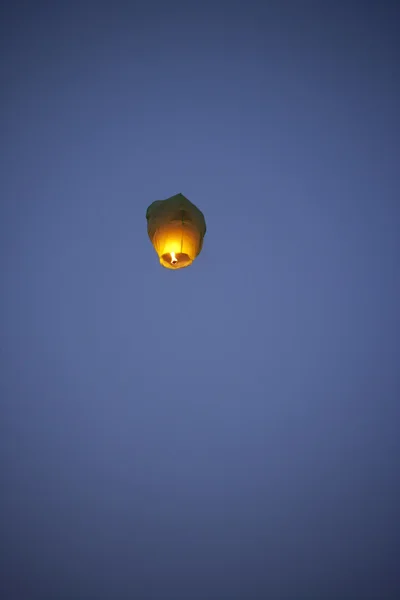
(229, 431)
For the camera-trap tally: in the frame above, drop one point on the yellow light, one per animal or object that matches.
(174, 260)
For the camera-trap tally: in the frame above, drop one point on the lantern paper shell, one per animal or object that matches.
(176, 228)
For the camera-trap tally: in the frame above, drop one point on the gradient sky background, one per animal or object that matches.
(228, 431)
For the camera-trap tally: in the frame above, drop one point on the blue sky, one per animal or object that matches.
(230, 430)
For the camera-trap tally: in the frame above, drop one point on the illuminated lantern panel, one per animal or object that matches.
(176, 228)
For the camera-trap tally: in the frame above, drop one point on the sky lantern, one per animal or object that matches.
(176, 228)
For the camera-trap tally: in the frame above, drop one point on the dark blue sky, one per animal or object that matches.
(231, 430)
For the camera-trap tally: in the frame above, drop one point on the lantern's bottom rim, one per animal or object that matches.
(182, 260)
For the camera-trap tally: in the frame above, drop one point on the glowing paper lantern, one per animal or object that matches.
(176, 228)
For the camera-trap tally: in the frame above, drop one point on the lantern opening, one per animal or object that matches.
(179, 261)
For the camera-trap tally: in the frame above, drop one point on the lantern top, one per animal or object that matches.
(176, 202)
